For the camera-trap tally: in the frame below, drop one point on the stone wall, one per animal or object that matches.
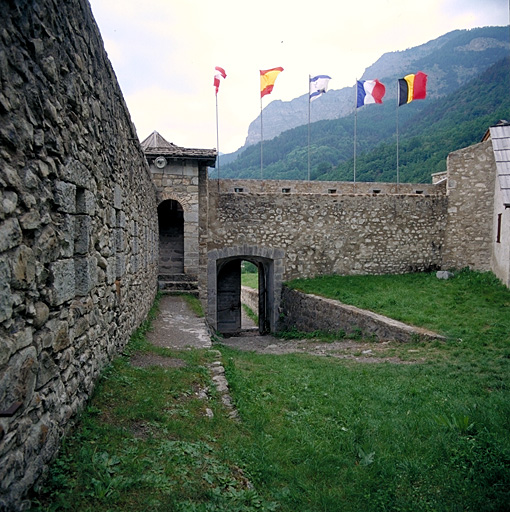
(250, 297)
(324, 187)
(333, 234)
(78, 229)
(470, 192)
(310, 313)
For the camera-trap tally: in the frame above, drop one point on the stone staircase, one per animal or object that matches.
(178, 283)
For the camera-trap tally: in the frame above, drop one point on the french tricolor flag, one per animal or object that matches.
(369, 91)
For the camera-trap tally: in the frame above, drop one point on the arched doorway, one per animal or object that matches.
(229, 307)
(171, 237)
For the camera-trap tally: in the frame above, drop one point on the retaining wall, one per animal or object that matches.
(309, 313)
(78, 229)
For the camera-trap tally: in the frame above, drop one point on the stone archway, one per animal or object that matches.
(171, 237)
(224, 287)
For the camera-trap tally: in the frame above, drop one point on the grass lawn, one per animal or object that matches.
(315, 433)
(250, 280)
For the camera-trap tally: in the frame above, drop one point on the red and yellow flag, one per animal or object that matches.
(267, 80)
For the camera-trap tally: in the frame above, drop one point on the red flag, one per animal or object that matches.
(220, 74)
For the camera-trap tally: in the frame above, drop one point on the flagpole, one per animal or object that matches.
(309, 78)
(398, 100)
(218, 143)
(355, 130)
(261, 139)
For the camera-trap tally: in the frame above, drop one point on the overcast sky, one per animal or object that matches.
(164, 53)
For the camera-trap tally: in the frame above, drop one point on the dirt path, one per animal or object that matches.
(177, 327)
(363, 352)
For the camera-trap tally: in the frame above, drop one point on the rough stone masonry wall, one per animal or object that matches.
(470, 191)
(327, 234)
(78, 229)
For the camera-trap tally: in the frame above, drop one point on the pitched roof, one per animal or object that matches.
(500, 136)
(156, 145)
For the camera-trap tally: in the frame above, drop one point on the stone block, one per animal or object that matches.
(82, 231)
(62, 286)
(66, 234)
(85, 202)
(10, 234)
(86, 275)
(120, 265)
(77, 173)
(444, 274)
(8, 202)
(47, 370)
(64, 196)
(117, 197)
(6, 298)
(23, 267)
(17, 382)
(120, 240)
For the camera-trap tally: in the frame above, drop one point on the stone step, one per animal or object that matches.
(178, 283)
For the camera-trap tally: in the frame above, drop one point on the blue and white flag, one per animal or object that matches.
(318, 86)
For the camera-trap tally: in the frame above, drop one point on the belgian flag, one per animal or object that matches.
(412, 87)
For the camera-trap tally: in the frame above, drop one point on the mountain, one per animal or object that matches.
(450, 62)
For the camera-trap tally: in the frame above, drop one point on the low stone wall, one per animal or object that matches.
(310, 313)
(250, 297)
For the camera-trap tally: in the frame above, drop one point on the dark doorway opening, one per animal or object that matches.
(229, 307)
(171, 237)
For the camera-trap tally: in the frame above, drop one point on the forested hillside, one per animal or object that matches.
(428, 129)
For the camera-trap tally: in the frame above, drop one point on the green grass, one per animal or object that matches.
(194, 304)
(467, 305)
(316, 433)
(250, 280)
(250, 313)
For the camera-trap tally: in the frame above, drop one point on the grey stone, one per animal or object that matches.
(86, 275)
(10, 234)
(62, 289)
(23, 267)
(6, 299)
(42, 313)
(83, 228)
(65, 196)
(444, 274)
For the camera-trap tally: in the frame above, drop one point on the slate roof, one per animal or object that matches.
(500, 136)
(156, 145)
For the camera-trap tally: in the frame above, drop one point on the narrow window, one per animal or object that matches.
(286, 190)
(376, 191)
(419, 191)
(332, 191)
(498, 236)
(238, 189)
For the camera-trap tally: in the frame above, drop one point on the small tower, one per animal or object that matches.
(180, 176)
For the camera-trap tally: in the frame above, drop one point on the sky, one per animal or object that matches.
(164, 53)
